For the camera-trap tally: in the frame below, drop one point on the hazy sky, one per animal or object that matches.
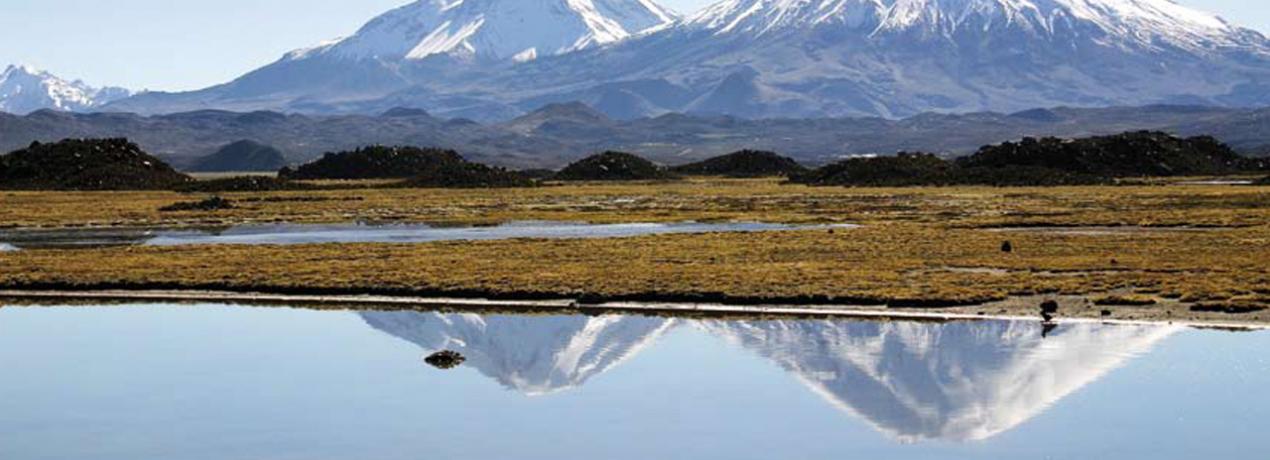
(182, 44)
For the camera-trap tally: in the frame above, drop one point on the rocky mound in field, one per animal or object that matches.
(377, 162)
(900, 170)
(918, 169)
(1263, 181)
(1141, 153)
(613, 166)
(745, 163)
(467, 175)
(242, 184)
(242, 156)
(86, 164)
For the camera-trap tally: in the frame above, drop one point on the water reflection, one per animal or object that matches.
(533, 355)
(911, 381)
(956, 382)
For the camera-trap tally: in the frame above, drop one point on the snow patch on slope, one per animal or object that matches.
(496, 29)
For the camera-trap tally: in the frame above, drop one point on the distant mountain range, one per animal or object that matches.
(558, 134)
(24, 90)
(493, 60)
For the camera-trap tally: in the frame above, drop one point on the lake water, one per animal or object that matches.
(361, 233)
(221, 382)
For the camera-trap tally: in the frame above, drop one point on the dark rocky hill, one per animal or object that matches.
(241, 156)
(1142, 153)
(557, 135)
(745, 163)
(1049, 161)
(420, 167)
(613, 166)
(86, 164)
(468, 175)
(377, 162)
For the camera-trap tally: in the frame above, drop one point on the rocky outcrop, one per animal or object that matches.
(745, 163)
(377, 162)
(86, 164)
(613, 166)
(1140, 153)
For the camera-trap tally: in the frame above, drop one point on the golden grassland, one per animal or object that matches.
(919, 247)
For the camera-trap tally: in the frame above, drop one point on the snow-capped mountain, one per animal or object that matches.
(24, 90)
(532, 355)
(521, 30)
(951, 382)
(1143, 23)
(495, 59)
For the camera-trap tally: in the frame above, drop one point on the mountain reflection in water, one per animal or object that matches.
(960, 381)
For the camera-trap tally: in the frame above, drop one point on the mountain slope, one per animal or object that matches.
(492, 29)
(763, 58)
(24, 90)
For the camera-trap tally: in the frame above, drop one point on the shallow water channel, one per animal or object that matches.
(284, 234)
(223, 382)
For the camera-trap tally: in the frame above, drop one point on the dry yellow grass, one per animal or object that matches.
(919, 246)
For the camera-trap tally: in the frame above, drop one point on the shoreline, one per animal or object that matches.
(566, 306)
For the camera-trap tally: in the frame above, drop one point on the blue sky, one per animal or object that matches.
(179, 45)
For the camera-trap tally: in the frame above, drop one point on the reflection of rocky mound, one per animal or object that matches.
(86, 164)
(242, 156)
(613, 166)
(956, 381)
(745, 163)
(532, 354)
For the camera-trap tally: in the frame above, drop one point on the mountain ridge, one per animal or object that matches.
(561, 134)
(776, 59)
(24, 89)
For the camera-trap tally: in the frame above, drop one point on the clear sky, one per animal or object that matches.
(183, 44)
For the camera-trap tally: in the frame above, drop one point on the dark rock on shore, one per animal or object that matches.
(1049, 308)
(613, 166)
(745, 163)
(86, 164)
(445, 360)
(242, 156)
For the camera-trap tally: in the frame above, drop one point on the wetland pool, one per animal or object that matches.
(288, 234)
(229, 382)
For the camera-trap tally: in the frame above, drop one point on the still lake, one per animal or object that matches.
(225, 382)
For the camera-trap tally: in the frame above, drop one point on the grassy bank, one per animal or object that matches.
(919, 248)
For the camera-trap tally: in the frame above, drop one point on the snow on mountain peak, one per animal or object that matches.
(1142, 22)
(25, 89)
(521, 30)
